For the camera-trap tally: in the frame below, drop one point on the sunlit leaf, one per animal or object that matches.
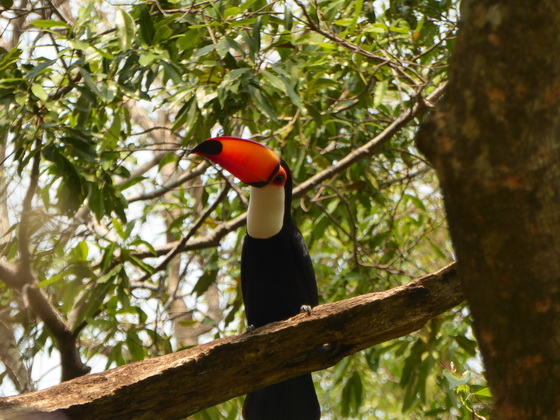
(50, 24)
(126, 29)
(39, 92)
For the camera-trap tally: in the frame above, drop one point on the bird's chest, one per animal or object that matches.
(269, 264)
(272, 280)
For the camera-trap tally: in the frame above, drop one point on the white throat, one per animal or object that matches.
(266, 211)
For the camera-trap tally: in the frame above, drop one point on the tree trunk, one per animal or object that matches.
(495, 143)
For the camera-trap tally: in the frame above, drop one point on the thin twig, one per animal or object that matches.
(199, 170)
(179, 246)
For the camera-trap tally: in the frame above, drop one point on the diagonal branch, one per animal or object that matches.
(187, 176)
(222, 369)
(17, 371)
(66, 342)
(173, 252)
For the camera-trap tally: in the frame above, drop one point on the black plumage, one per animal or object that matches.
(277, 279)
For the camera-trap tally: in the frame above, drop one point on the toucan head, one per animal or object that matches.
(249, 161)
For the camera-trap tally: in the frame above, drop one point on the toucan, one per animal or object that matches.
(277, 277)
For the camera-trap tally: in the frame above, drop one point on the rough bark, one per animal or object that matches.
(179, 384)
(495, 143)
(11, 358)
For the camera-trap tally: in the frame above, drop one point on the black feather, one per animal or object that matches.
(277, 278)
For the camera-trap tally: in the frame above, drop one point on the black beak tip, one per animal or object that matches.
(208, 147)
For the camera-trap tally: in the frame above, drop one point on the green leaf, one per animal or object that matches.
(485, 392)
(118, 228)
(288, 18)
(456, 381)
(39, 92)
(94, 301)
(172, 72)
(82, 147)
(131, 182)
(108, 256)
(352, 395)
(146, 24)
(232, 11)
(358, 5)
(380, 93)
(89, 82)
(208, 276)
(95, 201)
(110, 275)
(125, 29)
(273, 80)
(141, 264)
(263, 105)
(52, 280)
(50, 24)
(204, 50)
(135, 346)
(44, 67)
(6, 4)
(146, 58)
(416, 202)
(343, 22)
(187, 117)
(167, 159)
(469, 346)
(80, 251)
(78, 45)
(162, 34)
(188, 39)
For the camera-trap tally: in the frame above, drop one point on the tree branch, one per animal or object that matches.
(9, 275)
(66, 343)
(171, 254)
(72, 365)
(10, 356)
(25, 270)
(187, 176)
(179, 384)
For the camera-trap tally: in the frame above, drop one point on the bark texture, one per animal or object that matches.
(179, 384)
(495, 143)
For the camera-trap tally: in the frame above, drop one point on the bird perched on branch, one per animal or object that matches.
(277, 277)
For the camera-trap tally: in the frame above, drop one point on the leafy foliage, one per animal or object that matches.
(109, 100)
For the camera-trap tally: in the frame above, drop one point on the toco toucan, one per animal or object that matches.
(277, 277)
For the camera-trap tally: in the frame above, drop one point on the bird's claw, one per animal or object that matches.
(306, 309)
(251, 329)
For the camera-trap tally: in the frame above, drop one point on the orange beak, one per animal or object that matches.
(251, 162)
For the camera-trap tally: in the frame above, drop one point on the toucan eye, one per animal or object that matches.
(278, 179)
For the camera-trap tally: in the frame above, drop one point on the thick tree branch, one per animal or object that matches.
(66, 342)
(177, 385)
(9, 275)
(10, 356)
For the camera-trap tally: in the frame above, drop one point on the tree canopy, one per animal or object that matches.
(117, 246)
